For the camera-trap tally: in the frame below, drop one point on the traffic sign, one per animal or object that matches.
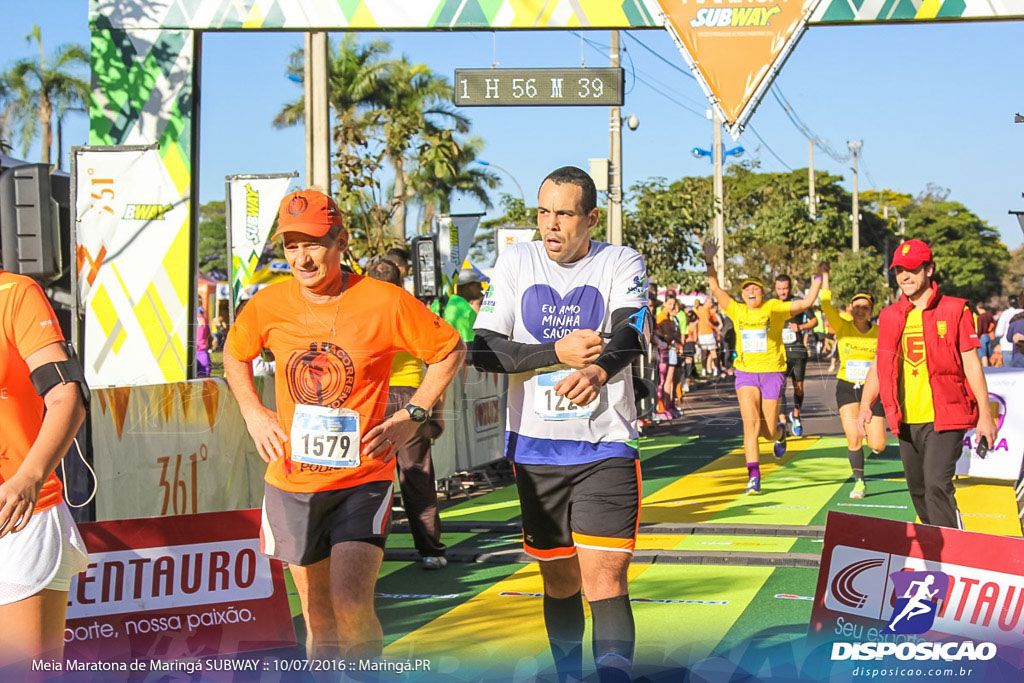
(538, 87)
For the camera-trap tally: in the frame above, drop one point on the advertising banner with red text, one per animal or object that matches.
(734, 47)
(981, 598)
(167, 449)
(174, 588)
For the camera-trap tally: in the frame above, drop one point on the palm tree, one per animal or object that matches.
(446, 169)
(36, 89)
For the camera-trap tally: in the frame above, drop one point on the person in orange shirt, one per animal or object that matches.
(328, 491)
(41, 409)
(708, 324)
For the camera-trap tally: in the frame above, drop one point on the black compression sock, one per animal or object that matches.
(614, 638)
(856, 460)
(563, 618)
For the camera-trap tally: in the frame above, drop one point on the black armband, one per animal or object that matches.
(630, 336)
(493, 352)
(49, 375)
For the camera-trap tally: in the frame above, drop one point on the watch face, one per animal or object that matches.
(416, 413)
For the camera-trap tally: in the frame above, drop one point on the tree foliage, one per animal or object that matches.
(36, 90)
(665, 223)
(213, 239)
(857, 272)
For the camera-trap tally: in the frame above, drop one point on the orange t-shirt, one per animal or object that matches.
(28, 324)
(705, 320)
(373, 321)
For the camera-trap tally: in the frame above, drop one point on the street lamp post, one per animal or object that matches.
(717, 156)
(522, 195)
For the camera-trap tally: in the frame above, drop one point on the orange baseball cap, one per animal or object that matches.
(307, 211)
(911, 254)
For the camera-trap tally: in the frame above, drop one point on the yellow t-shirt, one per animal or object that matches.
(915, 393)
(759, 345)
(856, 349)
(406, 370)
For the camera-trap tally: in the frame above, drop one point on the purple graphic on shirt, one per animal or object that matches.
(549, 317)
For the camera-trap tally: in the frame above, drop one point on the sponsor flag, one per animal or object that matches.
(735, 47)
(134, 266)
(252, 202)
(509, 236)
(454, 238)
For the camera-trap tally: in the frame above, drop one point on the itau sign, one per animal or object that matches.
(735, 47)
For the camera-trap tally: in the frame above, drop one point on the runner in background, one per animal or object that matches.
(1005, 344)
(727, 339)
(796, 353)
(761, 361)
(671, 348)
(986, 334)
(42, 404)
(708, 325)
(328, 489)
(858, 342)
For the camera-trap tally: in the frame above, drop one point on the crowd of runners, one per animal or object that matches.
(361, 365)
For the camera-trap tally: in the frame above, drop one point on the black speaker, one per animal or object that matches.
(30, 234)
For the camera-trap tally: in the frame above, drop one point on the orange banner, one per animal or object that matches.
(734, 46)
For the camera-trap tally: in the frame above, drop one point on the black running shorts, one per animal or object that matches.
(596, 505)
(796, 367)
(301, 528)
(848, 392)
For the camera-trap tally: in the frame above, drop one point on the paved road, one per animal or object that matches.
(711, 408)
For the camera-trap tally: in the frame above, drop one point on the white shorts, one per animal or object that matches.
(46, 554)
(706, 341)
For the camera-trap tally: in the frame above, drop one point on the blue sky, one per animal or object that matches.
(932, 103)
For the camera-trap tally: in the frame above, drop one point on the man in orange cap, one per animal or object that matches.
(328, 491)
(931, 383)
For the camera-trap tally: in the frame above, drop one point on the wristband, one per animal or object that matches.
(817, 278)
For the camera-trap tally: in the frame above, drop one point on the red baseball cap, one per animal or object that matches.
(307, 211)
(911, 254)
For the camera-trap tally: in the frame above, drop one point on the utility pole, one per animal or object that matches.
(719, 199)
(812, 200)
(855, 151)
(615, 160)
(317, 113)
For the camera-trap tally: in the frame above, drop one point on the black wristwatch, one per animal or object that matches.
(416, 414)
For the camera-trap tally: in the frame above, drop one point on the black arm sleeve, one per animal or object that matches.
(624, 345)
(493, 352)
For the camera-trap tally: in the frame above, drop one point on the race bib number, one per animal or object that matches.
(325, 436)
(857, 370)
(754, 341)
(550, 406)
(788, 336)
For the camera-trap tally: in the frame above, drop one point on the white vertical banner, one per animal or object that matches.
(1004, 457)
(134, 266)
(252, 208)
(506, 237)
(454, 238)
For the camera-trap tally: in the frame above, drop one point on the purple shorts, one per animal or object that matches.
(768, 383)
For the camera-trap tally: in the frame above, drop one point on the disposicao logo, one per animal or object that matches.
(914, 611)
(721, 17)
(842, 583)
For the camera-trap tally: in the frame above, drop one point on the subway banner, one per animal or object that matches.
(252, 209)
(454, 238)
(134, 266)
(1005, 456)
(174, 449)
(894, 595)
(735, 47)
(179, 590)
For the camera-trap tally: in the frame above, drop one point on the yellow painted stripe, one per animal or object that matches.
(472, 510)
(697, 497)
(929, 9)
(990, 508)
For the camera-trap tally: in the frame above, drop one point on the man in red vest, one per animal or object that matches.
(931, 383)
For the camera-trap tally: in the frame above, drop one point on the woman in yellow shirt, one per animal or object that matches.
(857, 340)
(761, 359)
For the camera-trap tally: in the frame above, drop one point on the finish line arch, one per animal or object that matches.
(146, 54)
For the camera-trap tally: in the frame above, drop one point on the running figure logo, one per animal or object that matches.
(914, 612)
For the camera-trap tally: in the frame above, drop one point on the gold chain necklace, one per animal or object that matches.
(331, 327)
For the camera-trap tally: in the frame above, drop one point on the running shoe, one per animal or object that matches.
(779, 447)
(664, 416)
(753, 486)
(859, 490)
(435, 562)
(798, 429)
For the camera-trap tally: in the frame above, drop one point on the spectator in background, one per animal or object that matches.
(220, 331)
(415, 465)
(462, 307)
(203, 338)
(1005, 343)
(986, 330)
(401, 258)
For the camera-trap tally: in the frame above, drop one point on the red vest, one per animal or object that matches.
(955, 406)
